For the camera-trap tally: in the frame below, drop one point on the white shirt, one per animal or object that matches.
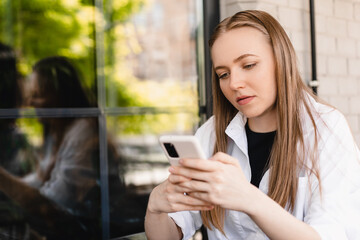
(334, 215)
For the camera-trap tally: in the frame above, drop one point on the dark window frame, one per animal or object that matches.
(211, 18)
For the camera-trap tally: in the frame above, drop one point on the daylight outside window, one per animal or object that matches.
(87, 87)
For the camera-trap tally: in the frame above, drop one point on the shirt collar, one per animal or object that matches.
(236, 131)
(236, 128)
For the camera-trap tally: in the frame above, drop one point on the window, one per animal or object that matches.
(86, 89)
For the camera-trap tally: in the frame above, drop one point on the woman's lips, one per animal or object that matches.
(244, 100)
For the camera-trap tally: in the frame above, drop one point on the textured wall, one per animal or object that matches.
(338, 46)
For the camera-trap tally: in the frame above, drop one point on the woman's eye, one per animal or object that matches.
(224, 75)
(249, 66)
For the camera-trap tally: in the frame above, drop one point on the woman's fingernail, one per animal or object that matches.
(171, 169)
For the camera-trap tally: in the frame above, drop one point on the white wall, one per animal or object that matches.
(338, 46)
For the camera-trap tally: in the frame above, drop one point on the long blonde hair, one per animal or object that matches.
(291, 98)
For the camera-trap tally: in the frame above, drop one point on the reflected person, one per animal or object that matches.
(62, 198)
(16, 154)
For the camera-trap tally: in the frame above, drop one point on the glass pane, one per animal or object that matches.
(45, 28)
(49, 167)
(143, 164)
(50, 179)
(150, 53)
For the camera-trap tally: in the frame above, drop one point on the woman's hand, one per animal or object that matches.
(219, 180)
(168, 197)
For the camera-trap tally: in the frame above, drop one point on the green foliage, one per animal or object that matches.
(121, 11)
(116, 14)
(56, 28)
(152, 124)
(33, 130)
(42, 28)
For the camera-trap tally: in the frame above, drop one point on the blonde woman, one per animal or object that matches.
(281, 164)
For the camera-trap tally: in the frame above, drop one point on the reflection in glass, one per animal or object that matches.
(60, 199)
(16, 154)
(41, 28)
(54, 83)
(13, 143)
(49, 166)
(144, 165)
(64, 187)
(150, 53)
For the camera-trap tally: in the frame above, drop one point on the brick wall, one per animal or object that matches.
(338, 46)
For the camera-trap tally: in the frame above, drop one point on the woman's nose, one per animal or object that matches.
(237, 80)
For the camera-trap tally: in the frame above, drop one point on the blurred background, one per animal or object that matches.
(88, 86)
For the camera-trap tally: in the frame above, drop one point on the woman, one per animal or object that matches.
(282, 165)
(65, 188)
(54, 83)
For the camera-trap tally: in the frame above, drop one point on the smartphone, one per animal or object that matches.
(181, 146)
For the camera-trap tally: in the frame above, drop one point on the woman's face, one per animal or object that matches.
(244, 62)
(39, 98)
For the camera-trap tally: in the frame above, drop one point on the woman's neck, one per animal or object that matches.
(263, 125)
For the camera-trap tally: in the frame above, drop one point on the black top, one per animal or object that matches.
(259, 148)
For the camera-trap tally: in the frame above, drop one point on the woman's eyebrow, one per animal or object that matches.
(244, 56)
(241, 57)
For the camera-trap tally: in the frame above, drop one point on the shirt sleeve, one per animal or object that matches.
(74, 174)
(334, 211)
(188, 221)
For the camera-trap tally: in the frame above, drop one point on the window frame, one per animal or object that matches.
(207, 18)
